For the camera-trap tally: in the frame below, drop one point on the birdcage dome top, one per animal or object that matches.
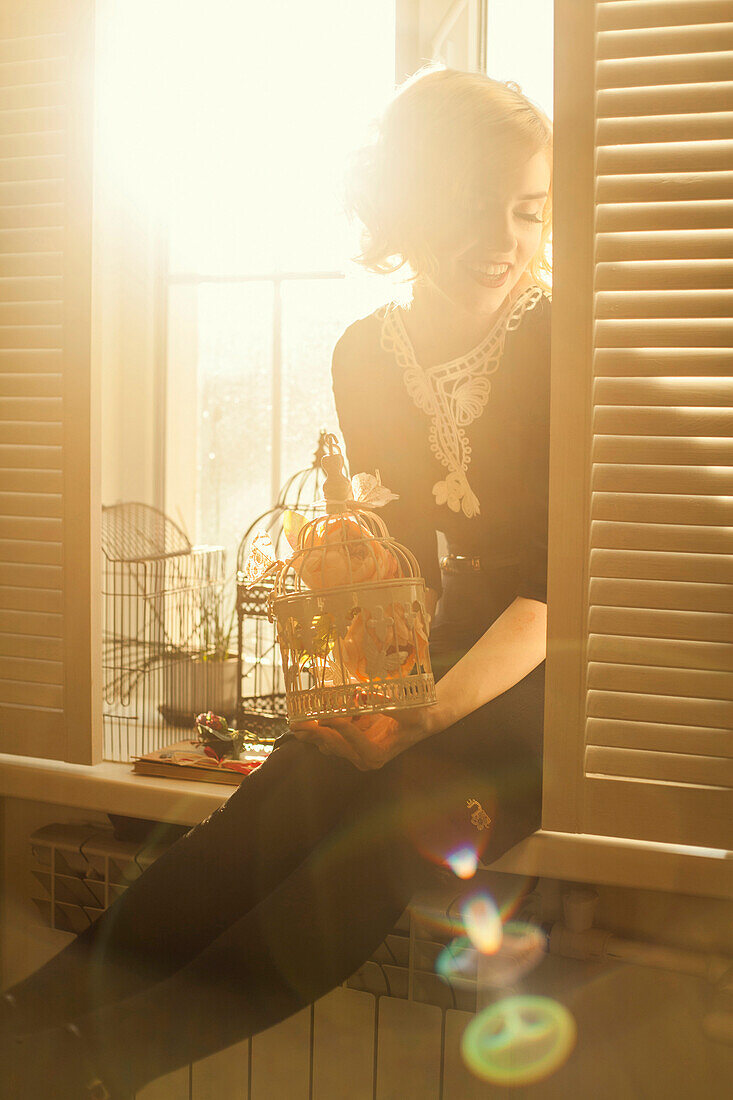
(301, 493)
(345, 549)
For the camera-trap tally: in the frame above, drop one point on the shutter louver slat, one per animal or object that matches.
(667, 767)
(660, 595)
(47, 600)
(47, 70)
(695, 480)
(658, 663)
(661, 536)
(32, 671)
(660, 362)
(622, 15)
(671, 508)
(712, 126)
(633, 679)
(665, 99)
(675, 68)
(48, 502)
(32, 47)
(693, 420)
(658, 304)
(670, 391)
(29, 458)
(637, 42)
(646, 565)
(664, 187)
(645, 622)
(48, 288)
(671, 653)
(658, 450)
(667, 332)
(687, 244)
(677, 710)
(31, 385)
(662, 274)
(48, 167)
(42, 649)
(29, 575)
(665, 156)
(654, 737)
(41, 553)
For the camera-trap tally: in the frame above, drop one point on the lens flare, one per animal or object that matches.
(463, 862)
(482, 922)
(519, 1040)
(522, 948)
(457, 960)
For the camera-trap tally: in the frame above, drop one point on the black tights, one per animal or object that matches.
(283, 892)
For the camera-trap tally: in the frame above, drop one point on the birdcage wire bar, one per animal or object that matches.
(359, 645)
(161, 605)
(261, 698)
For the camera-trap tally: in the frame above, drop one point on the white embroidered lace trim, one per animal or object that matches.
(454, 394)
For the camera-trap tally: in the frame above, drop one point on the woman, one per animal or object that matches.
(290, 886)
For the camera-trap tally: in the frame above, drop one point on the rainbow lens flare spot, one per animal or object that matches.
(519, 1040)
(457, 960)
(482, 921)
(522, 948)
(463, 862)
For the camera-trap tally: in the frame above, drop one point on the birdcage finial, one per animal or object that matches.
(337, 487)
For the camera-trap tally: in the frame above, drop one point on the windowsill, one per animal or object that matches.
(110, 787)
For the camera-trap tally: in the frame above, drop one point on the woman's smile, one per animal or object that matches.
(488, 275)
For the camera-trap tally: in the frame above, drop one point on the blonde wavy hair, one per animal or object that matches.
(443, 135)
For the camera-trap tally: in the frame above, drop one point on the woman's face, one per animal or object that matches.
(498, 237)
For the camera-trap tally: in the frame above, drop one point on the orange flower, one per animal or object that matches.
(337, 552)
(385, 645)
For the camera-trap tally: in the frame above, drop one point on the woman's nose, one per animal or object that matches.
(498, 237)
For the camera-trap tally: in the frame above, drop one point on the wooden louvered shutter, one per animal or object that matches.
(49, 463)
(640, 672)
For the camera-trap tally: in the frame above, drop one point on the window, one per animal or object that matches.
(640, 674)
(259, 290)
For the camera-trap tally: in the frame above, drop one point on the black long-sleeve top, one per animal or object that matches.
(384, 429)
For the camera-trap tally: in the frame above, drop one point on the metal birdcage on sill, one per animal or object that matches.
(261, 701)
(161, 605)
(352, 624)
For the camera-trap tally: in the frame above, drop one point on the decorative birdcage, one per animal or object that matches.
(162, 604)
(349, 604)
(261, 701)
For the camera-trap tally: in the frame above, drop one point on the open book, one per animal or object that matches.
(188, 760)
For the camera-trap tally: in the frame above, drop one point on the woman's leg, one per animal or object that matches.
(326, 918)
(311, 933)
(200, 886)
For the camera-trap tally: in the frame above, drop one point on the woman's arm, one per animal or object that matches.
(509, 650)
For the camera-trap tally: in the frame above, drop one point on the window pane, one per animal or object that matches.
(315, 313)
(519, 46)
(268, 100)
(235, 410)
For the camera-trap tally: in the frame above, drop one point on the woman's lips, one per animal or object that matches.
(483, 278)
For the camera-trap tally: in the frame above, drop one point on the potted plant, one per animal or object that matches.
(202, 675)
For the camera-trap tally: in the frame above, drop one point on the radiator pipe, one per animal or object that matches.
(576, 938)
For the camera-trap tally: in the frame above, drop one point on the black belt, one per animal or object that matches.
(454, 564)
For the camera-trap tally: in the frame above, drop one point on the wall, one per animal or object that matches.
(640, 1029)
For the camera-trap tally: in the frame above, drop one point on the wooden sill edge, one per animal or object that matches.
(112, 787)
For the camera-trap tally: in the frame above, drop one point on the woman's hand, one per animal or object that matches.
(371, 740)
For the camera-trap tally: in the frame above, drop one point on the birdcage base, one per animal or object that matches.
(371, 698)
(263, 715)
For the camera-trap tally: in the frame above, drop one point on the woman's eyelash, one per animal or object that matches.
(530, 218)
